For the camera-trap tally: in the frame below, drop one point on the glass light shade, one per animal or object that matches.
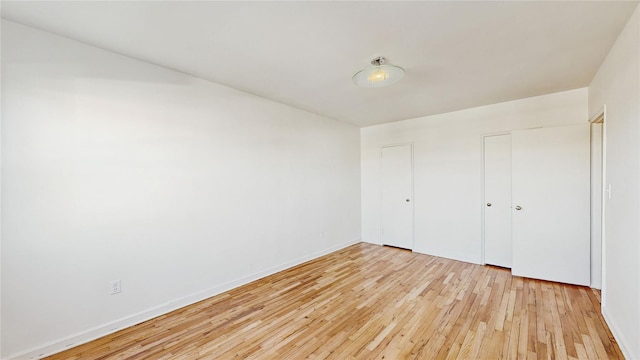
(378, 76)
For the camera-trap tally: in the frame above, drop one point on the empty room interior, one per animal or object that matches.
(320, 180)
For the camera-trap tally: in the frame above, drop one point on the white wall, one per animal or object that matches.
(448, 167)
(117, 169)
(617, 85)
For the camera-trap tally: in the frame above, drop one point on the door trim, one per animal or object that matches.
(600, 117)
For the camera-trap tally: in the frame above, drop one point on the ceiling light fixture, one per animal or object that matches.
(378, 75)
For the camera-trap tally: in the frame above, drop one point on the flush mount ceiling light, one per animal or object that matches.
(378, 75)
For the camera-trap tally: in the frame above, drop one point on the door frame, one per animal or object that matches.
(413, 201)
(600, 118)
(482, 196)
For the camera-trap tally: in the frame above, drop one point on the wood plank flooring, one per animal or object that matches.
(373, 302)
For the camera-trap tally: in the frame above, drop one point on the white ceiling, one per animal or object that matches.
(456, 54)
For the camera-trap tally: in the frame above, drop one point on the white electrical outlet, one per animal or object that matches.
(116, 287)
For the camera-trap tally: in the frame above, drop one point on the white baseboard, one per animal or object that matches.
(82, 337)
(617, 335)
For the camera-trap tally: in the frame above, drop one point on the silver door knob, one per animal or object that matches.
(488, 204)
(518, 208)
(407, 200)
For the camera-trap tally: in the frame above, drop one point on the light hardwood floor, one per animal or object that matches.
(373, 302)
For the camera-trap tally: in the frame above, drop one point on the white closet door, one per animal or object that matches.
(397, 196)
(497, 204)
(550, 177)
